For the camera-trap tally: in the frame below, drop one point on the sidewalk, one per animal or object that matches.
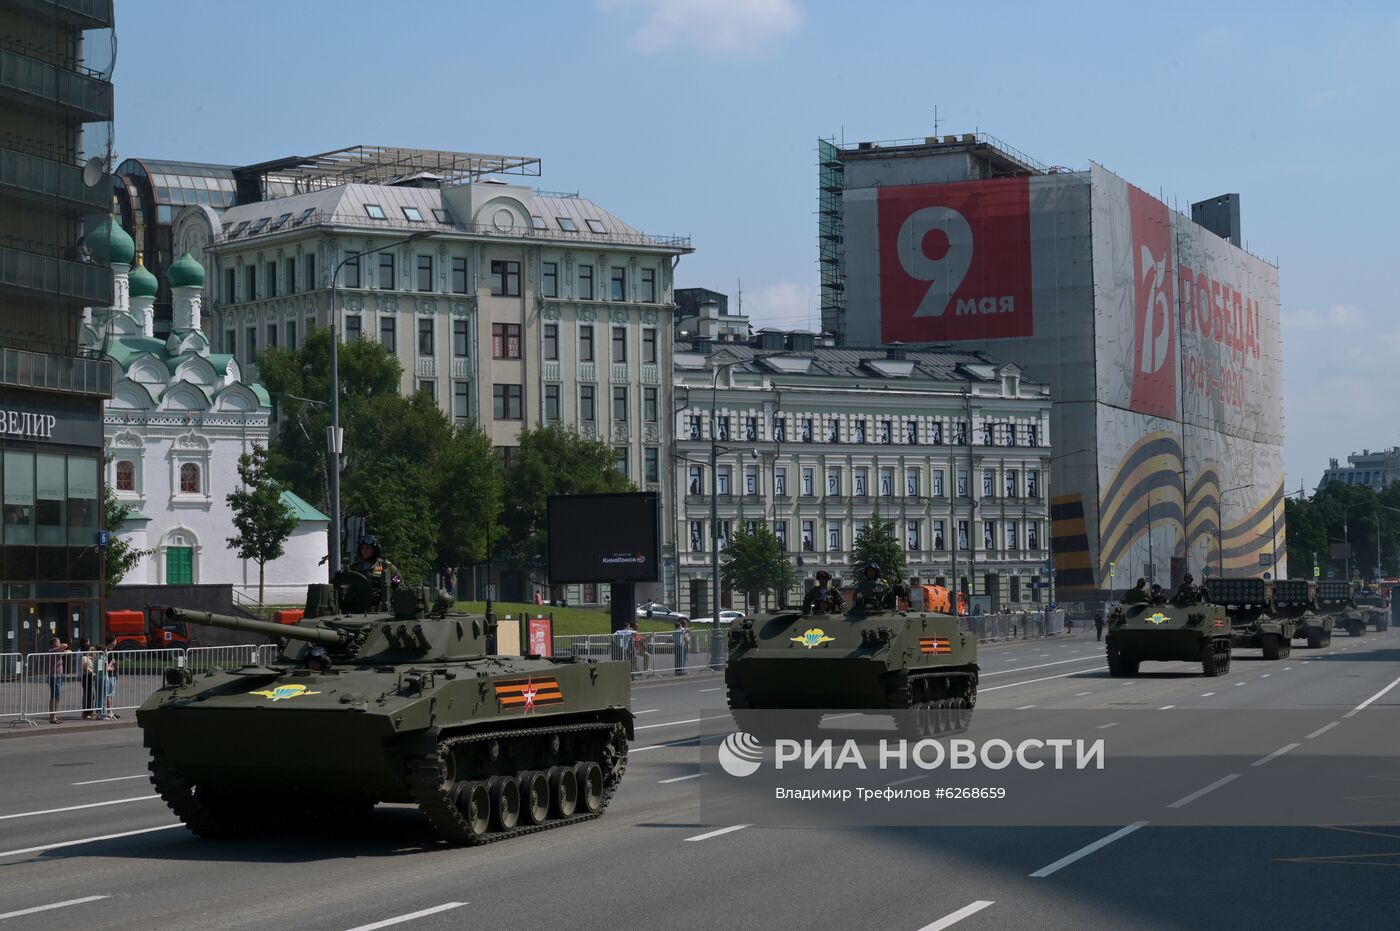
(65, 725)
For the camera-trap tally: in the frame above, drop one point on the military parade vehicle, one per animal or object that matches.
(1334, 600)
(877, 657)
(368, 704)
(1183, 629)
(1374, 608)
(1297, 598)
(1254, 618)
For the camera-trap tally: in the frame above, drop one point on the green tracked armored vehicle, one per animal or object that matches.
(1334, 600)
(873, 658)
(1374, 607)
(1184, 630)
(1254, 619)
(1297, 598)
(366, 704)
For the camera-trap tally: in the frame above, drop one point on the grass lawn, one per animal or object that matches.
(566, 620)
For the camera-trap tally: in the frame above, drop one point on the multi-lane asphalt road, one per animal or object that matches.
(84, 844)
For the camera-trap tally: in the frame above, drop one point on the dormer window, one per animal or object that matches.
(537, 222)
(374, 211)
(567, 225)
(413, 214)
(596, 226)
(279, 222)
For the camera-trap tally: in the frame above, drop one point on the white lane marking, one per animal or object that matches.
(900, 782)
(93, 782)
(1207, 694)
(648, 711)
(837, 717)
(668, 744)
(1083, 852)
(54, 811)
(1265, 675)
(1011, 685)
(86, 840)
(1058, 662)
(947, 921)
(1322, 730)
(1362, 706)
(1183, 802)
(1166, 708)
(445, 907)
(45, 908)
(713, 717)
(715, 689)
(1104, 727)
(1239, 683)
(1082, 694)
(1277, 753)
(1130, 683)
(1286, 668)
(666, 782)
(729, 830)
(1025, 708)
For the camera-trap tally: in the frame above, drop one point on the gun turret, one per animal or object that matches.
(325, 636)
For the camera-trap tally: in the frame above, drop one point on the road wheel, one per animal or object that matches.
(563, 791)
(590, 786)
(473, 801)
(1271, 646)
(505, 803)
(534, 797)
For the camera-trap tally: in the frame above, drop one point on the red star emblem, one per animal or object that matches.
(528, 693)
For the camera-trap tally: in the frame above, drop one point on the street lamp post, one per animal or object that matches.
(1220, 528)
(335, 438)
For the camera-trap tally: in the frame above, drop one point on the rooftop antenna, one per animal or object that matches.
(739, 299)
(935, 119)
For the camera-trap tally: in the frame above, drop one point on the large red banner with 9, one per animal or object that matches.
(955, 261)
(1154, 307)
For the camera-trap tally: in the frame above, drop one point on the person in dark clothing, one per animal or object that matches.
(1137, 595)
(824, 597)
(1098, 624)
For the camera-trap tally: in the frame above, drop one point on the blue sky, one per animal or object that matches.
(701, 116)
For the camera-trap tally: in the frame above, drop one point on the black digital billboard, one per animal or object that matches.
(604, 538)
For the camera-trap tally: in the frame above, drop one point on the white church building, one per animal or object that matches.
(178, 421)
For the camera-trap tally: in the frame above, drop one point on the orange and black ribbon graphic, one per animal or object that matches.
(527, 694)
(934, 645)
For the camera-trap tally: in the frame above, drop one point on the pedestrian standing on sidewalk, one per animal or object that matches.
(681, 637)
(106, 666)
(89, 679)
(1098, 624)
(57, 669)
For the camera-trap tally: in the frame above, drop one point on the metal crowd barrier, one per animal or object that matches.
(11, 675)
(1015, 625)
(659, 656)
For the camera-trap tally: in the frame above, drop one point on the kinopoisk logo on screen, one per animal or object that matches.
(955, 261)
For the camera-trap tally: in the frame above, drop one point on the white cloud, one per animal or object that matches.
(723, 27)
(1213, 36)
(1338, 317)
(786, 305)
(1322, 98)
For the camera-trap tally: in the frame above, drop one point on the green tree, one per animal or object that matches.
(467, 497)
(552, 460)
(122, 555)
(395, 499)
(261, 517)
(1305, 537)
(877, 543)
(755, 563)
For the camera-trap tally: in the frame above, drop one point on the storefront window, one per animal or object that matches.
(82, 501)
(50, 495)
(19, 498)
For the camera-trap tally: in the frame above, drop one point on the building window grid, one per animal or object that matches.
(549, 279)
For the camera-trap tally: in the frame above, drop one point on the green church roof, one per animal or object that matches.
(141, 282)
(185, 272)
(110, 244)
(301, 510)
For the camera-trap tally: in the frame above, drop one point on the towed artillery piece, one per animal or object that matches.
(1255, 618)
(877, 658)
(369, 703)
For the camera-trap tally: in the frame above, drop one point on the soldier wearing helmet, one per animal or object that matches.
(871, 590)
(383, 576)
(824, 597)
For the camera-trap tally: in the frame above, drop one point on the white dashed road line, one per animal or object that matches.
(1058, 662)
(44, 908)
(1025, 708)
(1166, 708)
(1207, 694)
(715, 689)
(445, 907)
(729, 830)
(1104, 727)
(644, 727)
(93, 782)
(947, 921)
(54, 811)
(666, 782)
(1183, 802)
(1082, 694)
(86, 840)
(1277, 753)
(1322, 730)
(1083, 852)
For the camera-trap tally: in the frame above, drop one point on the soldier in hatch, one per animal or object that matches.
(871, 590)
(383, 576)
(1137, 595)
(824, 598)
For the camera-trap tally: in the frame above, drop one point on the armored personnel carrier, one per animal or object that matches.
(1297, 598)
(368, 704)
(873, 658)
(1254, 620)
(1334, 601)
(1374, 607)
(1184, 630)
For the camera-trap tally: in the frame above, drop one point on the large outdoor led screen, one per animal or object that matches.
(604, 538)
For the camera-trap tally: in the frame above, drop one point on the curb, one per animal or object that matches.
(43, 729)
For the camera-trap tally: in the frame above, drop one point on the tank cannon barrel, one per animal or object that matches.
(322, 635)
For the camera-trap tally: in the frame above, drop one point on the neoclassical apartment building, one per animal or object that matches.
(817, 441)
